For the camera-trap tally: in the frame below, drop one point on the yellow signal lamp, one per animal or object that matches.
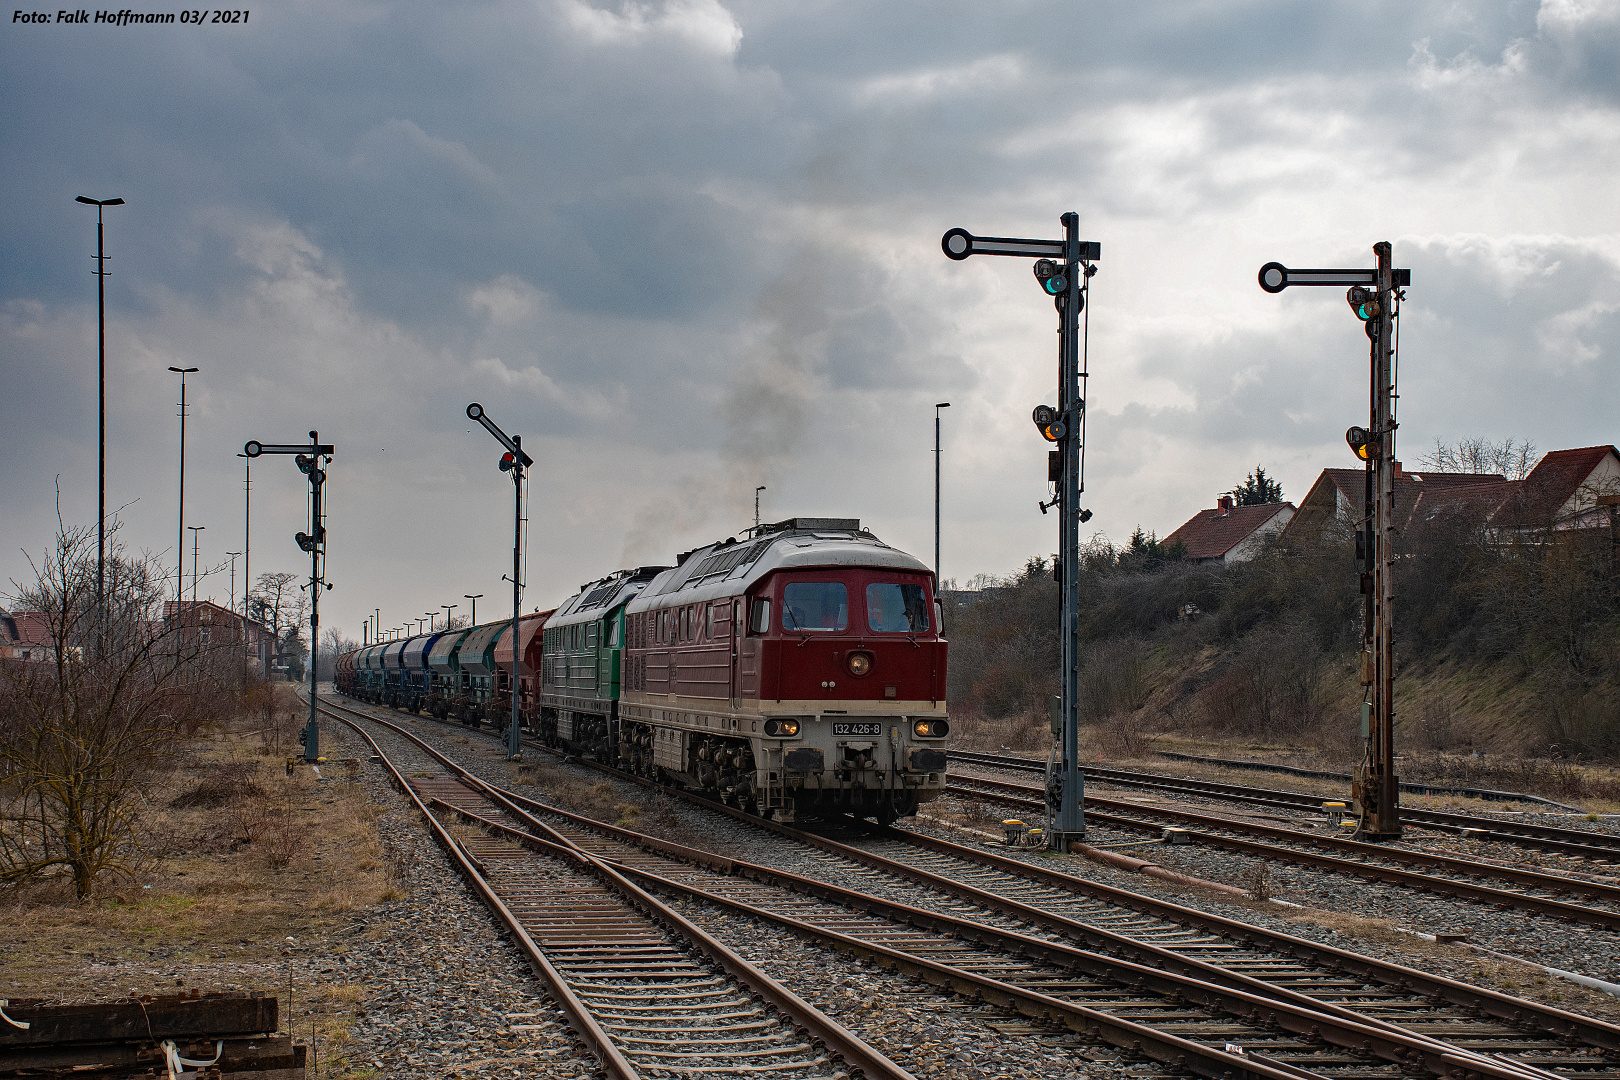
(1363, 443)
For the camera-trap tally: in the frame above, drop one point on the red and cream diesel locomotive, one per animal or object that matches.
(796, 669)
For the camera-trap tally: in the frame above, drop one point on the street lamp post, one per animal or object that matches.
(195, 529)
(513, 461)
(232, 556)
(180, 532)
(247, 531)
(474, 598)
(101, 439)
(448, 608)
(937, 406)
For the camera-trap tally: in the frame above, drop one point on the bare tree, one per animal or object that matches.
(278, 603)
(1513, 460)
(82, 733)
(333, 645)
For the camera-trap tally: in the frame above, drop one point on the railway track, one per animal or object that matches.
(1443, 875)
(646, 990)
(1319, 1015)
(1549, 838)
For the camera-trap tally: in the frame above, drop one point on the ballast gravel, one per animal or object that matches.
(448, 994)
(454, 998)
(937, 1035)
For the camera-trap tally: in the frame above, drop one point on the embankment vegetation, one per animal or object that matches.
(1507, 645)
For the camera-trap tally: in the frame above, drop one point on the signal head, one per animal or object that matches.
(1362, 301)
(1049, 422)
(1362, 443)
(305, 541)
(508, 461)
(304, 463)
(1053, 276)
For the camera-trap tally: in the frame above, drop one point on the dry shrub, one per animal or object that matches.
(1257, 882)
(283, 838)
(1124, 737)
(1113, 680)
(664, 814)
(1438, 728)
(223, 784)
(1272, 685)
(972, 730)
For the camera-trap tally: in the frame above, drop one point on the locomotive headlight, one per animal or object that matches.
(859, 664)
(931, 729)
(781, 729)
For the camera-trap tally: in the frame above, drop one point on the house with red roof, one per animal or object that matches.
(204, 626)
(1564, 491)
(1230, 533)
(24, 635)
(1561, 492)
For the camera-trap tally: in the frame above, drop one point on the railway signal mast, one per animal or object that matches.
(1374, 296)
(310, 458)
(513, 461)
(1064, 269)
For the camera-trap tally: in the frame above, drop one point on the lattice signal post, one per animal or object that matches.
(1374, 296)
(1064, 269)
(310, 458)
(514, 461)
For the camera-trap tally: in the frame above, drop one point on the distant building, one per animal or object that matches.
(1562, 492)
(1229, 533)
(24, 635)
(203, 625)
(1339, 495)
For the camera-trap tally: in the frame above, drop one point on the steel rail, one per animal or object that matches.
(1165, 1048)
(821, 1028)
(1025, 797)
(1502, 1007)
(591, 1033)
(1549, 838)
(1304, 1016)
(1160, 969)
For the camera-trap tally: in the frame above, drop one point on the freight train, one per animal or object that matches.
(796, 669)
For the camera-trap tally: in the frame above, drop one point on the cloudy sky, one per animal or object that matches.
(687, 247)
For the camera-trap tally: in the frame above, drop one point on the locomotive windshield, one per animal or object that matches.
(815, 605)
(896, 608)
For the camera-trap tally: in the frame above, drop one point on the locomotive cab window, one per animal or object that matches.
(613, 634)
(815, 605)
(896, 608)
(759, 621)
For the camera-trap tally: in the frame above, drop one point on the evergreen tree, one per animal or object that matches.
(1258, 490)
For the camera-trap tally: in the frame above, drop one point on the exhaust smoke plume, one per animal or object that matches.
(765, 412)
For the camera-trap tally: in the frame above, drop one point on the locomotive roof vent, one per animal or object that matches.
(808, 524)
